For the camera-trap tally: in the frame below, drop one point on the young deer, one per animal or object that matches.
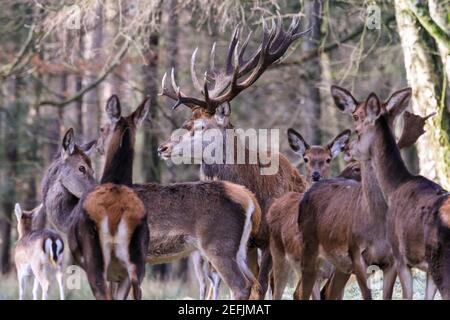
(347, 220)
(285, 238)
(419, 209)
(38, 253)
(214, 217)
(106, 224)
(212, 111)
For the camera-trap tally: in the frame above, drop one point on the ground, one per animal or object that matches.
(176, 289)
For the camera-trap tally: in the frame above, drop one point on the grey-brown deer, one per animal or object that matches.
(285, 238)
(351, 227)
(214, 217)
(419, 209)
(38, 253)
(212, 111)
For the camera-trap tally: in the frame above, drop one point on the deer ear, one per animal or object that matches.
(297, 143)
(373, 107)
(88, 147)
(398, 102)
(222, 114)
(140, 114)
(338, 144)
(113, 109)
(343, 99)
(68, 144)
(18, 211)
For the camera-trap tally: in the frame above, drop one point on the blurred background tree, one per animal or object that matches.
(61, 60)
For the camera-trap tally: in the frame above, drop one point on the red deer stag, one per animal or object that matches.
(351, 226)
(418, 216)
(38, 253)
(216, 218)
(106, 224)
(212, 111)
(285, 238)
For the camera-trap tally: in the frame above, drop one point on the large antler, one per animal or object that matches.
(222, 85)
(413, 128)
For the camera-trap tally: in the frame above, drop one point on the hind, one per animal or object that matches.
(119, 214)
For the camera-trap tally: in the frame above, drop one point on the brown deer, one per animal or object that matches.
(214, 217)
(212, 111)
(419, 209)
(285, 238)
(351, 227)
(38, 253)
(106, 224)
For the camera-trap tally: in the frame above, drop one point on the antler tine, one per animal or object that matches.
(175, 93)
(165, 91)
(212, 58)
(231, 49)
(194, 78)
(242, 50)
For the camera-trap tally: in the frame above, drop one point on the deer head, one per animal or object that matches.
(111, 133)
(367, 112)
(221, 86)
(317, 158)
(24, 221)
(74, 170)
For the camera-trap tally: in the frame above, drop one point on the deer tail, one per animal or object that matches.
(53, 249)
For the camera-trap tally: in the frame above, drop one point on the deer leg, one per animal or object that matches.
(60, 280)
(225, 263)
(389, 277)
(263, 276)
(252, 259)
(122, 289)
(406, 280)
(22, 279)
(335, 286)
(431, 288)
(280, 273)
(216, 285)
(360, 270)
(199, 273)
(35, 289)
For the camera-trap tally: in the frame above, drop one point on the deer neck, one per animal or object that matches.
(119, 160)
(388, 165)
(23, 230)
(231, 170)
(373, 196)
(60, 205)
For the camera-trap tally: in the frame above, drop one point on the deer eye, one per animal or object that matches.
(328, 160)
(82, 169)
(356, 117)
(306, 160)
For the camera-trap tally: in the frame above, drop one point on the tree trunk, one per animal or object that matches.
(9, 188)
(440, 12)
(423, 74)
(91, 104)
(313, 10)
(151, 165)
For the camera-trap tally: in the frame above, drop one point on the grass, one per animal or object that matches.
(176, 289)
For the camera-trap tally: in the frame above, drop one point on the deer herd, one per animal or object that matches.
(242, 227)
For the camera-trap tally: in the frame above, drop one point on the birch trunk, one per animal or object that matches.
(423, 76)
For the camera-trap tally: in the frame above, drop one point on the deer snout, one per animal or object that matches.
(163, 150)
(315, 176)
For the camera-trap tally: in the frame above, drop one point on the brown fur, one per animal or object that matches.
(242, 196)
(444, 212)
(115, 202)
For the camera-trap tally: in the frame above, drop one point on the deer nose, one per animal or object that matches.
(162, 148)
(315, 176)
